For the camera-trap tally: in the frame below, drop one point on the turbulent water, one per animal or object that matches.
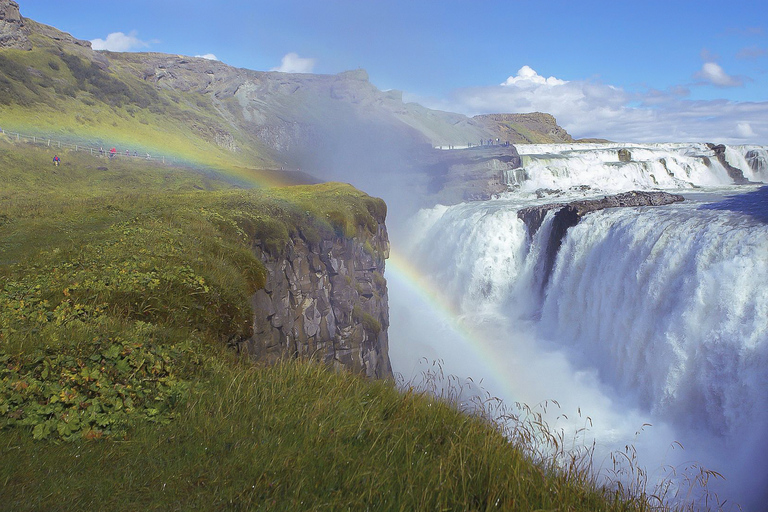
(651, 315)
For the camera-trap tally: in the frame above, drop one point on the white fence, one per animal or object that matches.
(100, 151)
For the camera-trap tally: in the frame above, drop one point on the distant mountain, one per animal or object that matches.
(217, 115)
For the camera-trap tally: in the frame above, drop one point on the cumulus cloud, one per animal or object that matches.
(526, 76)
(712, 73)
(588, 108)
(208, 56)
(292, 63)
(119, 42)
(745, 130)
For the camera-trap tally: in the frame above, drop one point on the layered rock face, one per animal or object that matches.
(13, 31)
(325, 301)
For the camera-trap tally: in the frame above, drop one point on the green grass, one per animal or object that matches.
(291, 437)
(119, 291)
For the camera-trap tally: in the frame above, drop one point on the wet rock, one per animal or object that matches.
(735, 174)
(569, 214)
(757, 160)
(625, 155)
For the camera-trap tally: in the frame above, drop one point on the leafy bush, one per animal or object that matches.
(370, 324)
(92, 391)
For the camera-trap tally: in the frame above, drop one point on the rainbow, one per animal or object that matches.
(399, 268)
(91, 140)
(401, 273)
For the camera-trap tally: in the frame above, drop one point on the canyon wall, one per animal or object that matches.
(326, 301)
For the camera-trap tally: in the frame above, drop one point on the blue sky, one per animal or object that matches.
(639, 72)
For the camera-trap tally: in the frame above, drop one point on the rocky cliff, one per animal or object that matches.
(14, 33)
(473, 174)
(325, 300)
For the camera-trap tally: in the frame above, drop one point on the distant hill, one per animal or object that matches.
(216, 114)
(533, 128)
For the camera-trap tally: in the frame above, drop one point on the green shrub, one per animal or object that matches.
(95, 390)
(370, 324)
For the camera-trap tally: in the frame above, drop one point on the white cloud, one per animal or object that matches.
(714, 74)
(208, 56)
(526, 76)
(587, 108)
(745, 130)
(292, 63)
(119, 42)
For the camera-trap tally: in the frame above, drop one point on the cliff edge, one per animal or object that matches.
(326, 301)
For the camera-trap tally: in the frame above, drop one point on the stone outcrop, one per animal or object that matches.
(326, 301)
(14, 32)
(736, 174)
(625, 155)
(569, 214)
(757, 160)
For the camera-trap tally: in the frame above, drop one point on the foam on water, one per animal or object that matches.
(603, 167)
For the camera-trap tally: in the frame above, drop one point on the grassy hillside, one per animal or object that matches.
(119, 291)
(71, 93)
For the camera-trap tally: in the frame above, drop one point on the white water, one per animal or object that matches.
(652, 315)
(565, 167)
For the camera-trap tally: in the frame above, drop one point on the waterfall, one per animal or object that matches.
(619, 167)
(650, 314)
(671, 306)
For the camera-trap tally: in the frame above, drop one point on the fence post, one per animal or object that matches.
(49, 142)
(75, 148)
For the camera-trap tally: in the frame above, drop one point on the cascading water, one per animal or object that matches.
(621, 167)
(650, 314)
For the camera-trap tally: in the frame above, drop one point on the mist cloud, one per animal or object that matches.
(292, 63)
(119, 42)
(208, 56)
